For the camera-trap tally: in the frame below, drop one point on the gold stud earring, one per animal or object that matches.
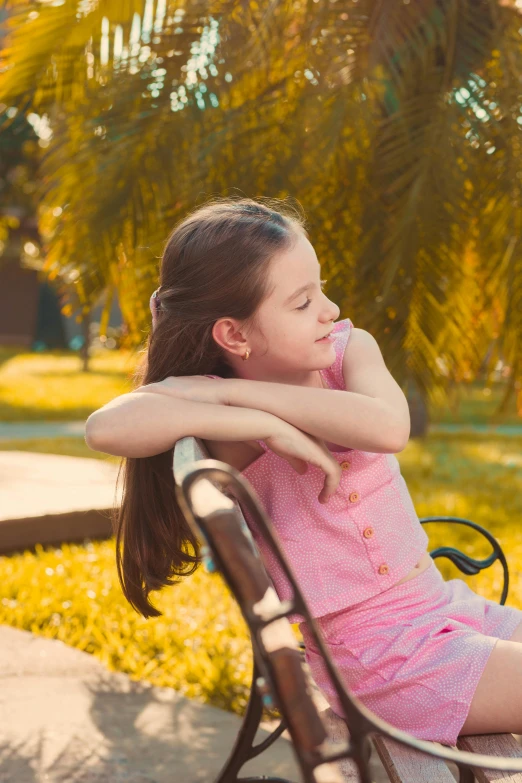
(247, 354)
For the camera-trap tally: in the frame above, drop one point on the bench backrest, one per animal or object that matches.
(308, 727)
(189, 450)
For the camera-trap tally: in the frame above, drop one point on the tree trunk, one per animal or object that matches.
(418, 410)
(86, 323)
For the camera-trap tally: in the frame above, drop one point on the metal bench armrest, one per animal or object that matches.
(469, 565)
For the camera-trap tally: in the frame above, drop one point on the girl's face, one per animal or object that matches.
(291, 321)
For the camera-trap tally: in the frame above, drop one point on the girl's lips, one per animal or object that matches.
(328, 339)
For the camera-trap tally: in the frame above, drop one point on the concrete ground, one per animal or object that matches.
(41, 429)
(64, 718)
(50, 498)
(34, 484)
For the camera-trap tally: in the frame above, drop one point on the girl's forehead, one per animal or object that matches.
(296, 265)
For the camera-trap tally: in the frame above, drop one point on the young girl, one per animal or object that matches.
(246, 353)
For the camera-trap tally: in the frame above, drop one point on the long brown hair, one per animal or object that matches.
(215, 264)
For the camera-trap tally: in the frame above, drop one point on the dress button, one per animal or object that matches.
(383, 569)
(368, 533)
(353, 497)
(345, 465)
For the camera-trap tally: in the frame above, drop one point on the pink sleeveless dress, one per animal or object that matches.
(412, 653)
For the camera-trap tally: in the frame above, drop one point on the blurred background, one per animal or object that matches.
(398, 128)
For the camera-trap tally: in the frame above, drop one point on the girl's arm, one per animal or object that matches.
(141, 424)
(372, 416)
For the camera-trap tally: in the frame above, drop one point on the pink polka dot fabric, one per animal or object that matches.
(363, 540)
(413, 653)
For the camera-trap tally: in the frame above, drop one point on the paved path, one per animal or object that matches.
(49, 498)
(64, 718)
(75, 429)
(34, 484)
(41, 429)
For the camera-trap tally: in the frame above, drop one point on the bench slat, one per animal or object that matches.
(493, 745)
(191, 449)
(187, 450)
(407, 765)
(337, 733)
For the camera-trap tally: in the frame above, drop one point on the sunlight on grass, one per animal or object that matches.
(69, 447)
(51, 386)
(201, 645)
(477, 478)
(478, 403)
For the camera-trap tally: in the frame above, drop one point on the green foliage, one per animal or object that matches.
(18, 173)
(401, 141)
(201, 646)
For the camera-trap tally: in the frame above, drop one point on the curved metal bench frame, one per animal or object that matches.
(209, 514)
(244, 749)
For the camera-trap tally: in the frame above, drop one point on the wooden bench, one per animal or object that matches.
(211, 494)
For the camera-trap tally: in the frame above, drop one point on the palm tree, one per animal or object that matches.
(18, 167)
(395, 124)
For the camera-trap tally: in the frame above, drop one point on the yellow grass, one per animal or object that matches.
(51, 385)
(201, 646)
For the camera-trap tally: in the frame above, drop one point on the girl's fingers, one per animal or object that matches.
(331, 482)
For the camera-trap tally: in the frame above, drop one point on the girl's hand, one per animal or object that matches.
(299, 448)
(197, 388)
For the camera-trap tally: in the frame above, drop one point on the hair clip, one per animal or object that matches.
(154, 306)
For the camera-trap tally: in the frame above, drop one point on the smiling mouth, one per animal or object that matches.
(325, 336)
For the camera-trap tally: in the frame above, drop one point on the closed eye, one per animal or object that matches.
(303, 307)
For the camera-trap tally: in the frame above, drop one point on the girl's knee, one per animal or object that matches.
(495, 707)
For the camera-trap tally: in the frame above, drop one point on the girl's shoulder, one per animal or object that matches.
(334, 373)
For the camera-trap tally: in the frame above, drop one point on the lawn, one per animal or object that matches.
(51, 386)
(200, 645)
